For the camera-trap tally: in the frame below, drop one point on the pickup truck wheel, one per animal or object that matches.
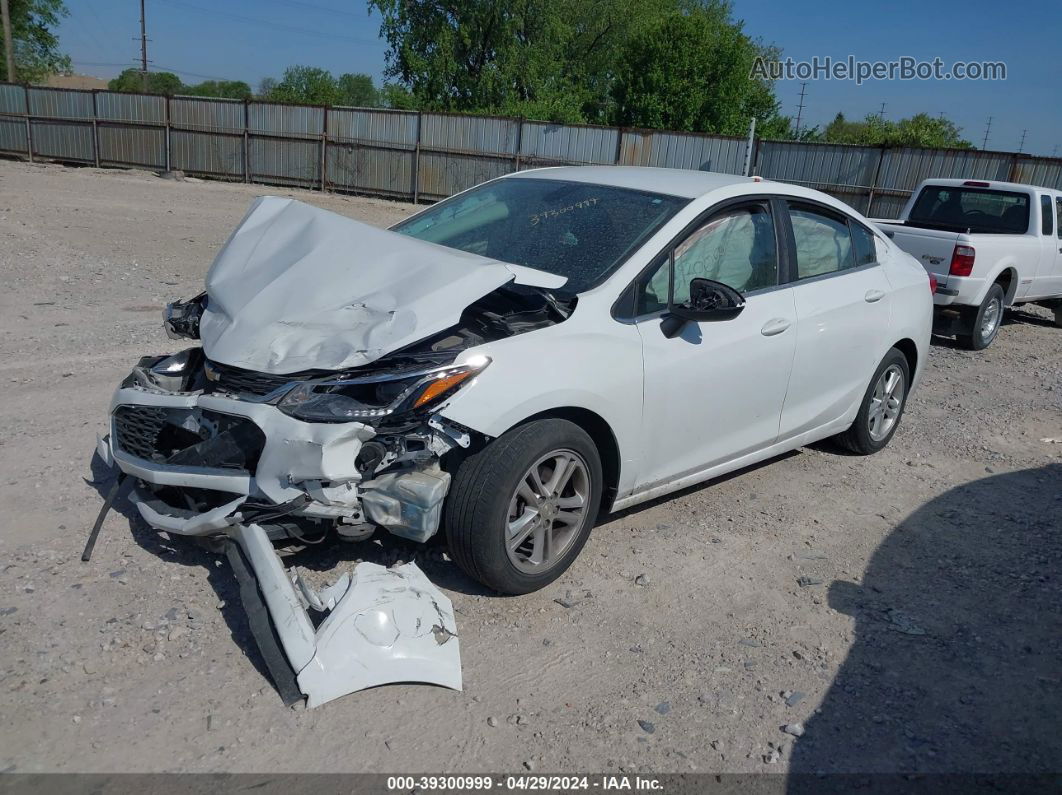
(883, 405)
(986, 322)
(520, 510)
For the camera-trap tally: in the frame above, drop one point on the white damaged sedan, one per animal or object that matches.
(509, 363)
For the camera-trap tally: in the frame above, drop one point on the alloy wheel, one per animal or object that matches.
(886, 402)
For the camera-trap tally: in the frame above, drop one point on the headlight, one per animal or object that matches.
(374, 398)
(176, 364)
(181, 318)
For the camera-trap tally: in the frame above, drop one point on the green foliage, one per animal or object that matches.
(690, 70)
(356, 90)
(920, 130)
(310, 85)
(224, 89)
(680, 64)
(132, 81)
(36, 46)
(398, 97)
(266, 86)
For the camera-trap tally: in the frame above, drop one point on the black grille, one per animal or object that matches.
(137, 428)
(164, 436)
(226, 378)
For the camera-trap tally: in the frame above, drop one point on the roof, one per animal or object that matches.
(993, 184)
(673, 181)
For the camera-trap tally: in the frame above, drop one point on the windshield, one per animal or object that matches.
(574, 229)
(992, 211)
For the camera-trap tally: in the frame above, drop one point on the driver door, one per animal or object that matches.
(714, 392)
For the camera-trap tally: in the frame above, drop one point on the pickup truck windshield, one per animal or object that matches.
(979, 210)
(574, 229)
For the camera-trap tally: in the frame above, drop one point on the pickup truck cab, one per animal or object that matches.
(989, 245)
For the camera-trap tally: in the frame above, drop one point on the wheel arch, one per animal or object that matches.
(604, 439)
(1008, 280)
(909, 349)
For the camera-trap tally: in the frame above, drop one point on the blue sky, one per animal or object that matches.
(252, 39)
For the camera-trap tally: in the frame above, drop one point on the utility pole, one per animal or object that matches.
(143, 49)
(1022, 144)
(881, 113)
(9, 51)
(800, 110)
(1054, 152)
(984, 143)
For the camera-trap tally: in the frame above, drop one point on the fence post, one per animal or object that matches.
(750, 144)
(416, 161)
(169, 162)
(95, 132)
(874, 182)
(324, 145)
(621, 131)
(519, 143)
(246, 141)
(29, 126)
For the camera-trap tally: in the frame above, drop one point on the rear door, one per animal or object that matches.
(843, 304)
(1047, 281)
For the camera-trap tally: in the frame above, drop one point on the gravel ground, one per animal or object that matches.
(819, 612)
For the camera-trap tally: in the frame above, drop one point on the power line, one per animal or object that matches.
(159, 67)
(988, 127)
(267, 24)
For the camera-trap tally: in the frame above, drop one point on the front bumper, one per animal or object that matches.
(301, 469)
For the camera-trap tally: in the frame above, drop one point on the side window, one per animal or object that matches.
(823, 242)
(1046, 216)
(1058, 213)
(863, 242)
(735, 247)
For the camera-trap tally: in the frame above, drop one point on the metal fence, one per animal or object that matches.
(428, 156)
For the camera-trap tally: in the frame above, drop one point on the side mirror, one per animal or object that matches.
(710, 301)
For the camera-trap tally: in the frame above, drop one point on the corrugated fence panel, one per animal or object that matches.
(369, 169)
(443, 175)
(63, 141)
(1042, 171)
(543, 143)
(13, 135)
(205, 153)
(480, 134)
(207, 114)
(132, 146)
(817, 164)
(136, 108)
(288, 161)
(60, 103)
(12, 98)
(903, 169)
(269, 119)
(391, 127)
(680, 150)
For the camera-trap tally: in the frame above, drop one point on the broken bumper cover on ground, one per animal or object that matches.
(383, 625)
(254, 459)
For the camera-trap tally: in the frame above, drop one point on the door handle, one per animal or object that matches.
(873, 295)
(775, 326)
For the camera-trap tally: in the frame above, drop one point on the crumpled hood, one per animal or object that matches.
(300, 288)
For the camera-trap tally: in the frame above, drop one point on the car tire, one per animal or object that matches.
(492, 494)
(986, 321)
(866, 437)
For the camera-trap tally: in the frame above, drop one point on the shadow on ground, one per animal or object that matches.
(956, 665)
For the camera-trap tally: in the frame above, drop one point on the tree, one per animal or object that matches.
(396, 96)
(920, 130)
(356, 90)
(132, 81)
(692, 70)
(223, 89)
(35, 46)
(266, 86)
(307, 85)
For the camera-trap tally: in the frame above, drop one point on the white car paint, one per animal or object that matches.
(815, 371)
(1028, 265)
(301, 289)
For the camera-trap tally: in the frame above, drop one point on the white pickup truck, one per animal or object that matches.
(989, 245)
